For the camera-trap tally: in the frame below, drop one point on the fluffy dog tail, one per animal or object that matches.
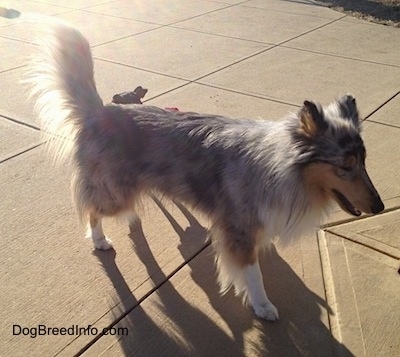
(61, 76)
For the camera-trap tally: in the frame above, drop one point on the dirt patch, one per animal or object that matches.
(386, 12)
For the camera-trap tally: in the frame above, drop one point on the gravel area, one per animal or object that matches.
(386, 12)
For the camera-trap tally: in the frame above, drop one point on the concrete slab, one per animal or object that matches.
(111, 30)
(14, 103)
(379, 233)
(156, 51)
(206, 99)
(75, 4)
(230, 2)
(16, 138)
(170, 12)
(87, 23)
(112, 78)
(266, 26)
(382, 160)
(186, 316)
(334, 39)
(311, 75)
(362, 284)
(51, 276)
(388, 114)
(9, 60)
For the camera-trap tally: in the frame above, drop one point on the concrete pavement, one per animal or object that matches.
(338, 291)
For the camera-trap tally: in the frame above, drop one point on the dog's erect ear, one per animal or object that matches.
(348, 108)
(312, 120)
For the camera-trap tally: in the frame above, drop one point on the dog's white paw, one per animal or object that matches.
(267, 311)
(102, 243)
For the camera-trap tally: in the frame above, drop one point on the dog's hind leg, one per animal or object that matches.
(95, 232)
(237, 264)
(93, 204)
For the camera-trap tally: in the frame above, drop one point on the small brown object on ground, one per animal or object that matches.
(130, 97)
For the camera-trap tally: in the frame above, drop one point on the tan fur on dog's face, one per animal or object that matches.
(349, 185)
(337, 166)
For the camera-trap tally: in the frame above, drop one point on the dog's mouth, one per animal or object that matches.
(345, 204)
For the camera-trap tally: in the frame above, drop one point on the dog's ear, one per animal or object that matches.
(348, 108)
(312, 119)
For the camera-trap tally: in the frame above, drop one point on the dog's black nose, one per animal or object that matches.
(378, 206)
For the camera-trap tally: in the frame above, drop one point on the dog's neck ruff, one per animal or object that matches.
(290, 212)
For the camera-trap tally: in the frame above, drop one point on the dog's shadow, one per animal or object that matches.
(177, 327)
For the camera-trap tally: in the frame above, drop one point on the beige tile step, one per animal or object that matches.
(360, 263)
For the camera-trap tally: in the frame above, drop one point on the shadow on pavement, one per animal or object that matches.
(170, 325)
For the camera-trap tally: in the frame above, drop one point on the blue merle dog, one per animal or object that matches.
(255, 180)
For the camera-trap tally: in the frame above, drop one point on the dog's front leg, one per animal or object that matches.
(95, 232)
(257, 296)
(237, 264)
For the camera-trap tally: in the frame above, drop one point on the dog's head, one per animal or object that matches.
(329, 139)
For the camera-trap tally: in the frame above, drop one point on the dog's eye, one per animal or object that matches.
(344, 171)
